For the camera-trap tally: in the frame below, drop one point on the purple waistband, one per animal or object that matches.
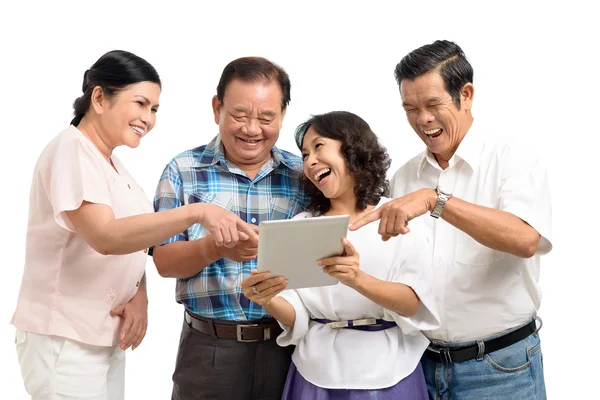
(379, 325)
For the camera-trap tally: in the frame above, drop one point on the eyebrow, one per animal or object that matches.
(431, 100)
(312, 141)
(146, 100)
(243, 109)
(268, 114)
(240, 109)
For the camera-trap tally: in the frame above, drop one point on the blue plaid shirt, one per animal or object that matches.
(275, 193)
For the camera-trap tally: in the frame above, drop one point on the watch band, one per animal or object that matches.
(443, 198)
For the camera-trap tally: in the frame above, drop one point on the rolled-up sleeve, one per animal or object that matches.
(292, 335)
(524, 192)
(169, 195)
(413, 268)
(76, 175)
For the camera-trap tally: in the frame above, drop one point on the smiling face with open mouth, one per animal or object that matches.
(249, 120)
(130, 114)
(434, 116)
(326, 167)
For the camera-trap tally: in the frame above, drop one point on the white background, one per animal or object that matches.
(535, 80)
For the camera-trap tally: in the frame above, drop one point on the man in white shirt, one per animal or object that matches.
(491, 223)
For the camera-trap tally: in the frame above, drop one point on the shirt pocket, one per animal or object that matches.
(469, 252)
(283, 208)
(223, 200)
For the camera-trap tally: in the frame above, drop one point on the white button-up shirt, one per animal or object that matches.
(481, 291)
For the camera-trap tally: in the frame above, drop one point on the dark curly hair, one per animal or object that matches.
(366, 158)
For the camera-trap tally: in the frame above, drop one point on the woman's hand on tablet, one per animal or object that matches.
(344, 267)
(260, 287)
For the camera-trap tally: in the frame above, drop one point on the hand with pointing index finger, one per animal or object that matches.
(226, 227)
(395, 215)
(244, 249)
(344, 267)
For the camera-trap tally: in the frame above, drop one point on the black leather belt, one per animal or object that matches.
(446, 354)
(250, 332)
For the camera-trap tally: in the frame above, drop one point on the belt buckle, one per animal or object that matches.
(266, 333)
(355, 322)
(443, 353)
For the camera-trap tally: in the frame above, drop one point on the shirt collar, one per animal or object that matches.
(213, 153)
(469, 151)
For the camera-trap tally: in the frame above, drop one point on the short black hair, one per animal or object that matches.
(113, 72)
(255, 69)
(444, 56)
(366, 158)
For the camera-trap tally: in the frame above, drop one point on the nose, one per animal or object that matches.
(146, 116)
(425, 117)
(310, 160)
(252, 127)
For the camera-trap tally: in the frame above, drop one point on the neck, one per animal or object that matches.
(444, 159)
(91, 130)
(250, 169)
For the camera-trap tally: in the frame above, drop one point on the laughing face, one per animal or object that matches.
(326, 167)
(249, 120)
(130, 114)
(433, 115)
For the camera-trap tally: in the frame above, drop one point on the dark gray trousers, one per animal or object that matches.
(210, 368)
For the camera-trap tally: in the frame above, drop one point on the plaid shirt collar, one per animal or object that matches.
(213, 154)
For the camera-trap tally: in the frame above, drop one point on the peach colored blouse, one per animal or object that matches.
(68, 289)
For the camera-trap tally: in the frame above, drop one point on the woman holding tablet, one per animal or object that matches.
(361, 338)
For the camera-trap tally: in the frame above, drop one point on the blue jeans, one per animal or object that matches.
(514, 372)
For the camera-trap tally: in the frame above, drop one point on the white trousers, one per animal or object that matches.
(56, 368)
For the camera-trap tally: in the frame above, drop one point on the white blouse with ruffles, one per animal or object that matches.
(354, 359)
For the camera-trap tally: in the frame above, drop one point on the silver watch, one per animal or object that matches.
(442, 199)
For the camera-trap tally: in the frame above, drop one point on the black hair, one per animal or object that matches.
(255, 69)
(444, 56)
(366, 158)
(113, 72)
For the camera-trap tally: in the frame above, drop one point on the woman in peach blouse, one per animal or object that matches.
(83, 295)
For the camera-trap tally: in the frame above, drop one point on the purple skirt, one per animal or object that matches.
(410, 388)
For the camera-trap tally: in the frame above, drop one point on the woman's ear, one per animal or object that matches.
(98, 100)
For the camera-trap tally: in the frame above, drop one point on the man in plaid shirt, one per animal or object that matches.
(227, 348)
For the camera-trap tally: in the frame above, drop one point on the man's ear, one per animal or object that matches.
(466, 96)
(216, 106)
(282, 117)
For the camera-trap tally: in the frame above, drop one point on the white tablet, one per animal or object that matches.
(291, 248)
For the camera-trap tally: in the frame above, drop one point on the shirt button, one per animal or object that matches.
(145, 251)
(137, 284)
(253, 220)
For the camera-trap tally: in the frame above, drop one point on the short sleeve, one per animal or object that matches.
(412, 267)
(293, 335)
(75, 175)
(524, 192)
(169, 195)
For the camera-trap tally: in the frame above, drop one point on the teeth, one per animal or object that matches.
(432, 131)
(138, 129)
(321, 172)
(250, 141)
